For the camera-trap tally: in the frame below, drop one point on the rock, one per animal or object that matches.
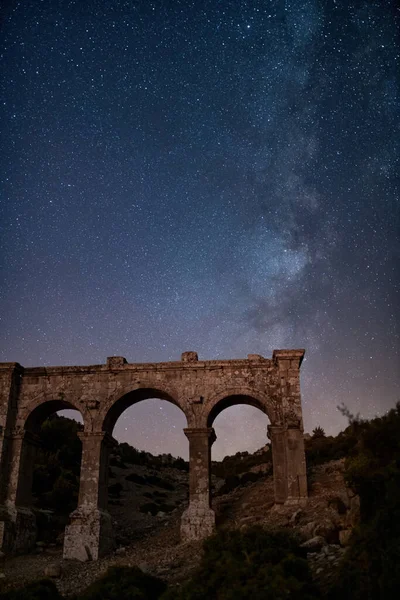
(53, 570)
(327, 530)
(161, 514)
(2, 575)
(307, 531)
(295, 517)
(120, 551)
(319, 570)
(340, 505)
(144, 567)
(315, 543)
(350, 492)
(344, 537)
(40, 544)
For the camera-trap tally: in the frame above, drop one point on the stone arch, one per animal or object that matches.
(239, 395)
(38, 411)
(232, 396)
(24, 440)
(90, 533)
(120, 401)
(33, 413)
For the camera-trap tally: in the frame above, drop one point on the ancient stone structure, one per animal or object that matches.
(201, 389)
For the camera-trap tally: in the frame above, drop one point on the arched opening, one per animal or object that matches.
(240, 429)
(148, 469)
(49, 468)
(241, 458)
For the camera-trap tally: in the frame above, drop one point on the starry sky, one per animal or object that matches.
(210, 175)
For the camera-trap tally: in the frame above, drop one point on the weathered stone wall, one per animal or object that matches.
(201, 389)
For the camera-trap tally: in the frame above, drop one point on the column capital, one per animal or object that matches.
(25, 435)
(294, 356)
(100, 436)
(275, 430)
(200, 432)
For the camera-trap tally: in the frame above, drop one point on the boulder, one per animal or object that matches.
(307, 531)
(314, 544)
(326, 529)
(144, 567)
(295, 517)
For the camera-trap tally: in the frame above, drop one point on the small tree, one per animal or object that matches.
(318, 432)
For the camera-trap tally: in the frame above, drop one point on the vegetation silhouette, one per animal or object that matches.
(124, 583)
(254, 563)
(371, 566)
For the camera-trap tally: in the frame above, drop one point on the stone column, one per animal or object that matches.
(10, 379)
(288, 364)
(296, 467)
(277, 435)
(198, 521)
(18, 523)
(90, 534)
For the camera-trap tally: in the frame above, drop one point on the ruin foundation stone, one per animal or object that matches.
(201, 389)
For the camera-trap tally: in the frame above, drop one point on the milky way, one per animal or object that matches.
(211, 176)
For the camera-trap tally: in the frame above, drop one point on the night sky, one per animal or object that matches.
(216, 176)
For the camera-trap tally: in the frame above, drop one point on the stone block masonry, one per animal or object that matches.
(201, 389)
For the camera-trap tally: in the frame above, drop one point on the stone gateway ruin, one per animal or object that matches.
(201, 389)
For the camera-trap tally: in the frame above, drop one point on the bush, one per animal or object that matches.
(57, 465)
(318, 432)
(124, 583)
(159, 482)
(240, 463)
(150, 507)
(321, 449)
(370, 570)
(252, 564)
(39, 590)
(115, 489)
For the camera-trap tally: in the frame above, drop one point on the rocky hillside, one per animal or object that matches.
(148, 494)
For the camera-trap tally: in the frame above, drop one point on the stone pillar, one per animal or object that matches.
(296, 467)
(277, 435)
(288, 364)
(18, 523)
(90, 534)
(10, 378)
(198, 520)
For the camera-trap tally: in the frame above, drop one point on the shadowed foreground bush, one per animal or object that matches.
(371, 568)
(252, 564)
(39, 590)
(124, 583)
